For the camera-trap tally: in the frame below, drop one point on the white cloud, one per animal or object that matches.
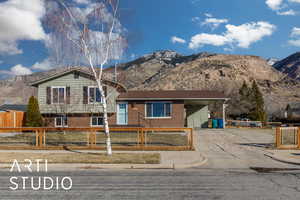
(294, 1)
(214, 22)
(44, 65)
(208, 15)
(82, 1)
(282, 7)
(207, 39)
(175, 39)
(295, 32)
(274, 4)
(16, 71)
(20, 20)
(286, 13)
(295, 37)
(241, 36)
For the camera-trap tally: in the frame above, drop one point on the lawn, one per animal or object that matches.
(80, 139)
(83, 157)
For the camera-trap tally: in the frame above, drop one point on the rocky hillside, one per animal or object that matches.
(290, 66)
(170, 70)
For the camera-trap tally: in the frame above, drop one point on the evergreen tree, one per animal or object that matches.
(258, 112)
(33, 115)
(244, 104)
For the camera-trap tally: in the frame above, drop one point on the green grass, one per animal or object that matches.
(80, 139)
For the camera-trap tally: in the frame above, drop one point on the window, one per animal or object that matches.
(94, 95)
(58, 95)
(76, 75)
(61, 121)
(97, 121)
(158, 109)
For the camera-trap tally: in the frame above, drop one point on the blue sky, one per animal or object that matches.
(267, 28)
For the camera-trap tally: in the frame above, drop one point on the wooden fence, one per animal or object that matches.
(251, 124)
(11, 119)
(288, 137)
(151, 139)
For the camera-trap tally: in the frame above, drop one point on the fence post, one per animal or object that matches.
(298, 137)
(142, 137)
(278, 137)
(192, 139)
(36, 138)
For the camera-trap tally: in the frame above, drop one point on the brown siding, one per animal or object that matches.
(136, 115)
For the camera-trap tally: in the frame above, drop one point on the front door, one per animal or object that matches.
(122, 114)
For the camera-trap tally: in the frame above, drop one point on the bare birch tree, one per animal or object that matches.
(92, 34)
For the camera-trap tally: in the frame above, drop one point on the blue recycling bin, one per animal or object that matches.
(220, 123)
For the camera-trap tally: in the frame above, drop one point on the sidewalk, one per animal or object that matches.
(285, 156)
(169, 160)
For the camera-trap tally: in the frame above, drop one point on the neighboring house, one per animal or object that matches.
(12, 115)
(293, 111)
(71, 99)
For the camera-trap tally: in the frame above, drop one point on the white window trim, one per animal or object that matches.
(65, 94)
(171, 109)
(95, 96)
(118, 123)
(91, 121)
(62, 126)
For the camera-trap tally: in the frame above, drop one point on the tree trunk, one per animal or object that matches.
(105, 117)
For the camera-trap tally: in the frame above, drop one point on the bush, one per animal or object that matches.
(33, 115)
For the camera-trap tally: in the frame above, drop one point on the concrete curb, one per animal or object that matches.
(284, 160)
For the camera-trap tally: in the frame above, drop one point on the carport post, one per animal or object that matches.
(224, 115)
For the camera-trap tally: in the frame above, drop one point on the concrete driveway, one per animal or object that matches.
(237, 148)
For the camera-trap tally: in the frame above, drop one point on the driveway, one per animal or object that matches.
(237, 148)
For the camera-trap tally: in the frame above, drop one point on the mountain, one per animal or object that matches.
(272, 61)
(169, 70)
(290, 66)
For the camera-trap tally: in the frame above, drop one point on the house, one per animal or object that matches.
(71, 99)
(12, 115)
(292, 111)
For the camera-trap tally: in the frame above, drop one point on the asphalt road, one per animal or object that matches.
(163, 184)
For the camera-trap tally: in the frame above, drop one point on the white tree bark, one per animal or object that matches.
(82, 42)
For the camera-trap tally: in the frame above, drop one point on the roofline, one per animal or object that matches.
(121, 99)
(38, 82)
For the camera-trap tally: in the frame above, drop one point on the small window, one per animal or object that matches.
(76, 75)
(97, 121)
(94, 95)
(61, 121)
(158, 109)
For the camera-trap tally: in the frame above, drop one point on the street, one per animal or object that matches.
(166, 184)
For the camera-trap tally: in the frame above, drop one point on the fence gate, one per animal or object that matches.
(288, 137)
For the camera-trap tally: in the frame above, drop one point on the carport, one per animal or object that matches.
(200, 111)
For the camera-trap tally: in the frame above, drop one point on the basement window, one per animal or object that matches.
(61, 121)
(97, 121)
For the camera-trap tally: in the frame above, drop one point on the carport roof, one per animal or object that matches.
(15, 107)
(172, 95)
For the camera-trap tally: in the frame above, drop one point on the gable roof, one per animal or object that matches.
(87, 73)
(172, 94)
(16, 107)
